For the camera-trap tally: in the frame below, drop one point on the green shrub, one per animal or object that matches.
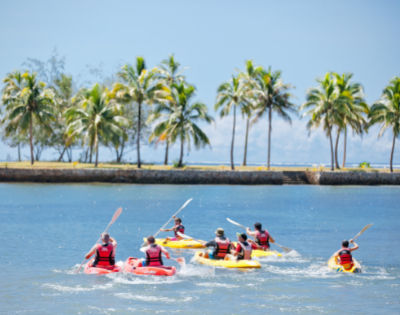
(364, 165)
(175, 164)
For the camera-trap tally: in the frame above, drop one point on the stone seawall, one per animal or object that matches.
(192, 177)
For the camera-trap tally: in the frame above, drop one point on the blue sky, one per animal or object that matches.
(303, 39)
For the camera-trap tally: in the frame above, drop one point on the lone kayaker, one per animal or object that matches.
(344, 254)
(221, 244)
(244, 248)
(104, 253)
(261, 237)
(154, 253)
(177, 228)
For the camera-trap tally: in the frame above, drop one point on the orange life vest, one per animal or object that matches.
(153, 256)
(262, 239)
(105, 255)
(345, 256)
(223, 247)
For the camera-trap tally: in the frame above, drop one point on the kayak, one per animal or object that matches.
(132, 265)
(339, 268)
(263, 253)
(101, 271)
(226, 263)
(178, 244)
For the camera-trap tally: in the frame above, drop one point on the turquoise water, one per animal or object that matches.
(47, 229)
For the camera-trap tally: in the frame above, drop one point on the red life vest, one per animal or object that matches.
(245, 252)
(262, 239)
(179, 228)
(153, 256)
(223, 247)
(105, 256)
(345, 256)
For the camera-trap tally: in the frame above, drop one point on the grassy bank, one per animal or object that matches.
(62, 165)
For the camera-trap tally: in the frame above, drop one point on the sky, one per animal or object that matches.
(304, 39)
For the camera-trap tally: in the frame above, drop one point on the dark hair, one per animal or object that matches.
(258, 226)
(345, 243)
(244, 236)
(151, 239)
(178, 219)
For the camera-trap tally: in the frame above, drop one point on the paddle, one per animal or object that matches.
(361, 232)
(114, 218)
(189, 238)
(285, 249)
(179, 260)
(186, 203)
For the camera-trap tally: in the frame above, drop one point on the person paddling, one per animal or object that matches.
(344, 254)
(177, 228)
(244, 248)
(261, 237)
(104, 253)
(154, 254)
(221, 244)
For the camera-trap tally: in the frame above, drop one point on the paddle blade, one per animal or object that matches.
(183, 235)
(181, 261)
(186, 203)
(116, 215)
(286, 249)
(362, 231)
(235, 223)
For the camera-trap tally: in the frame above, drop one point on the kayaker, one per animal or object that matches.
(261, 237)
(243, 249)
(104, 253)
(154, 253)
(177, 228)
(344, 254)
(221, 244)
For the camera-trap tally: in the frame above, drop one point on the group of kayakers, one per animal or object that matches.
(222, 247)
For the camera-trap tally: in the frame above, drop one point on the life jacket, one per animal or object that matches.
(262, 239)
(105, 256)
(179, 228)
(223, 247)
(245, 252)
(153, 256)
(345, 256)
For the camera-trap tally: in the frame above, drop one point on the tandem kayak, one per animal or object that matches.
(101, 271)
(132, 265)
(339, 268)
(263, 253)
(226, 263)
(178, 244)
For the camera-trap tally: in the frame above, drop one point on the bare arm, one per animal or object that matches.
(92, 251)
(167, 230)
(271, 239)
(165, 252)
(355, 246)
(251, 233)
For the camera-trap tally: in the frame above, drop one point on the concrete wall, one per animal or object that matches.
(192, 177)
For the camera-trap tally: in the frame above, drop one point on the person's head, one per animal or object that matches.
(151, 240)
(241, 237)
(178, 221)
(105, 238)
(258, 226)
(345, 244)
(220, 232)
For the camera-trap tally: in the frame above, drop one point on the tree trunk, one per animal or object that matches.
(344, 149)
(91, 153)
(181, 157)
(233, 137)
(62, 154)
(330, 138)
(166, 153)
(19, 152)
(138, 136)
(97, 152)
(69, 154)
(31, 138)
(391, 155)
(245, 142)
(336, 149)
(269, 135)
(87, 151)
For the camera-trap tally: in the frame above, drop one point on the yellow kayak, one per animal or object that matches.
(178, 244)
(339, 268)
(263, 253)
(226, 263)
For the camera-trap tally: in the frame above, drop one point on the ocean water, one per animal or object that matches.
(46, 229)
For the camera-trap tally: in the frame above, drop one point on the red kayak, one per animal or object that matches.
(132, 266)
(101, 271)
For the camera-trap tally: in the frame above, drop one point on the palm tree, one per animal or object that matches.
(357, 107)
(139, 85)
(170, 74)
(230, 95)
(181, 118)
(96, 117)
(387, 112)
(27, 100)
(248, 109)
(271, 95)
(326, 106)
